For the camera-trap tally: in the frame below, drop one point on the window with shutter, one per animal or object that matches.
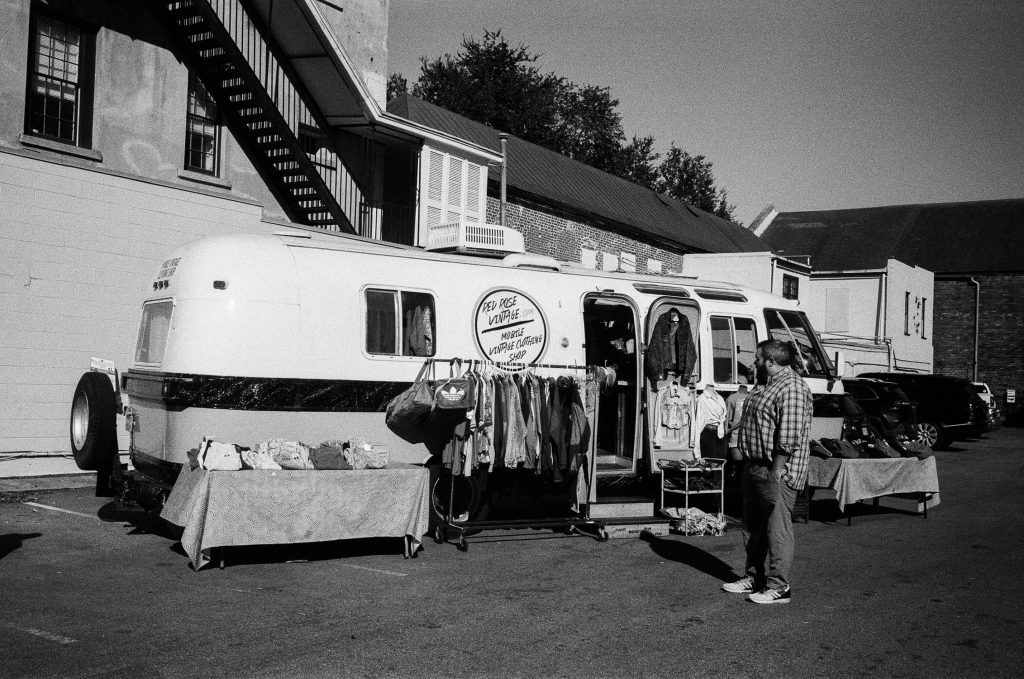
(453, 189)
(456, 166)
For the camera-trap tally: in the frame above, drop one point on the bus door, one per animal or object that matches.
(670, 371)
(612, 341)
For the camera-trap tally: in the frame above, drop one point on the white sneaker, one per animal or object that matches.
(771, 596)
(744, 585)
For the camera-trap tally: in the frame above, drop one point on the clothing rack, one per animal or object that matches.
(523, 366)
(450, 528)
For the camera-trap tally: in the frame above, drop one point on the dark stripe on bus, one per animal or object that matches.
(179, 391)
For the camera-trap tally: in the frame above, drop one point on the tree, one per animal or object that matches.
(635, 162)
(498, 84)
(495, 83)
(397, 85)
(689, 178)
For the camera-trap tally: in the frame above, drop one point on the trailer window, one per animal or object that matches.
(733, 343)
(399, 323)
(156, 322)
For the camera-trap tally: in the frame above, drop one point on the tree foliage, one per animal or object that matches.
(498, 84)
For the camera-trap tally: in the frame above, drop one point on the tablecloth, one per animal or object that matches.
(257, 507)
(860, 479)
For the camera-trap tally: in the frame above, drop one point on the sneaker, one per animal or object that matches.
(744, 585)
(770, 596)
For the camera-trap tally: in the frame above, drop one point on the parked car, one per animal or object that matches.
(985, 394)
(887, 405)
(948, 408)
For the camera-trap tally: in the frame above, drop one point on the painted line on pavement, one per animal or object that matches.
(58, 509)
(378, 570)
(42, 634)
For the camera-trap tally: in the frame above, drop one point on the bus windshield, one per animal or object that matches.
(792, 326)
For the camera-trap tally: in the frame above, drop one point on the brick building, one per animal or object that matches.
(576, 213)
(128, 129)
(976, 251)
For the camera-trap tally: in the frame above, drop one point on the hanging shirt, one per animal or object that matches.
(710, 412)
(672, 416)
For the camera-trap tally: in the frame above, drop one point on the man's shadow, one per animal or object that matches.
(692, 556)
(12, 541)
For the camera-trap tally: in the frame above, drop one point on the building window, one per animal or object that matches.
(453, 189)
(59, 99)
(906, 313)
(790, 287)
(924, 318)
(400, 323)
(202, 130)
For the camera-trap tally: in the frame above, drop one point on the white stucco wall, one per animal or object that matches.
(751, 269)
(78, 250)
(861, 315)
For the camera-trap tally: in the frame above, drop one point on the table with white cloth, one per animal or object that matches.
(220, 509)
(870, 478)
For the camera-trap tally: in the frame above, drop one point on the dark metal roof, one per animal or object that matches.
(943, 237)
(549, 178)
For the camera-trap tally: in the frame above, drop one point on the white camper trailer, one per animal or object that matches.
(307, 336)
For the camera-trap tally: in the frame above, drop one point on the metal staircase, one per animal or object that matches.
(266, 112)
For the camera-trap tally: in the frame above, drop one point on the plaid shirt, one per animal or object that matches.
(777, 418)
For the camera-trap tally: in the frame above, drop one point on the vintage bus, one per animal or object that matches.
(306, 336)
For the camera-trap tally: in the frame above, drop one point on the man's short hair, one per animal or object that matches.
(777, 350)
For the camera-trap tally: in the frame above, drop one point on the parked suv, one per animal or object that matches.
(948, 409)
(887, 405)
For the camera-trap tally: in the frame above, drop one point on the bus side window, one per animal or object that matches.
(417, 324)
(381, 322)
(733, 344)
(400, 323)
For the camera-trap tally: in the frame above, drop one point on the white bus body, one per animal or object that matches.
(245, 338)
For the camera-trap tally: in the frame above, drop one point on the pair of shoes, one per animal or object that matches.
(744, 585)
(770, 596)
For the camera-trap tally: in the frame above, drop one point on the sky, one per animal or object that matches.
(812, 105)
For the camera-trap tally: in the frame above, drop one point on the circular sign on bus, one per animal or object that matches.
(510, 328)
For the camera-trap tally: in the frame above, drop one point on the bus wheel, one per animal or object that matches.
(93, 421)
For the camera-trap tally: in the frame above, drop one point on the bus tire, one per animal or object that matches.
(93, 422)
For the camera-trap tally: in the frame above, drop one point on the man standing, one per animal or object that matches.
(774, 439)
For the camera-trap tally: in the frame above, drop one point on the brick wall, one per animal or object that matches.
(564, 239)
(1000, 332)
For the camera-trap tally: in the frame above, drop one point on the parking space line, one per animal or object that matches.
(378, 570)
(42, 634)
(58, 509)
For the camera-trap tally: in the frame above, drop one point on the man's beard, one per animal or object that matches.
(762, 374)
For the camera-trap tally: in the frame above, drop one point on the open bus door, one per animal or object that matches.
(612, 341)
(671, 368)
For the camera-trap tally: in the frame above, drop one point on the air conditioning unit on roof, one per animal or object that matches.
(475, 239)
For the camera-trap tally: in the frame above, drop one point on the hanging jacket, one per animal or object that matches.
(664, 355)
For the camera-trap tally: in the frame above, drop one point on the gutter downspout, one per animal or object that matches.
(771, 281)
(504, 177)
(977, 323)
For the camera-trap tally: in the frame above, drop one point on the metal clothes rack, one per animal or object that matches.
(570, 524)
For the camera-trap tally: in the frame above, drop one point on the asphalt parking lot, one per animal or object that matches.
(90, 589)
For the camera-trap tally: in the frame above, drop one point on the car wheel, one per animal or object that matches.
(93, 421)
(931, 434)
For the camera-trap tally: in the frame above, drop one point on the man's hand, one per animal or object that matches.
(779, 462)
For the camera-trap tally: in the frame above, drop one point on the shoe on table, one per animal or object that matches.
(744, 585)
(770, 596)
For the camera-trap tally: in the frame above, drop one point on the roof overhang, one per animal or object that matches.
(310, 48)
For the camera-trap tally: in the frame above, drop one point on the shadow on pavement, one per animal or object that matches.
(143, 522)
(692, 556)
(12, 541)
